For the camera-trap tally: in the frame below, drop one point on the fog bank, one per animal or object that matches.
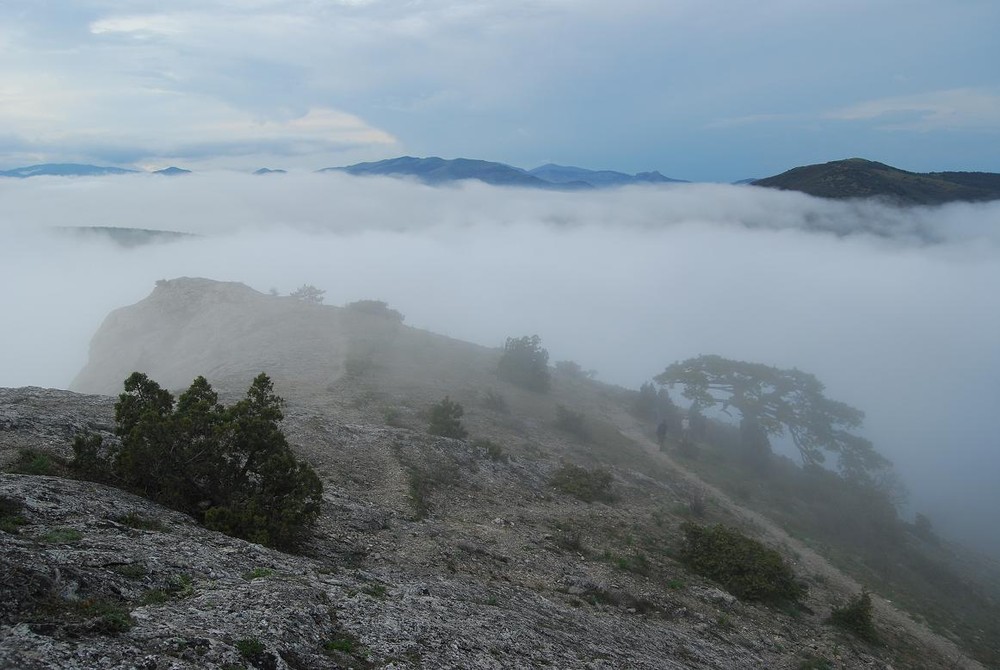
(895, 309)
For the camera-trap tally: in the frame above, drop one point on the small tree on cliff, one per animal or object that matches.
(771, 401)
(308, 293)
(229, 467)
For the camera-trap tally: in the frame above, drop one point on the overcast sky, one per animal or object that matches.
(698, 89)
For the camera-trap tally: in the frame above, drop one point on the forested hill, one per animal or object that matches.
(860, 178)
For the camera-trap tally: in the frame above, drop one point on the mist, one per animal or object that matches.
(895, 309)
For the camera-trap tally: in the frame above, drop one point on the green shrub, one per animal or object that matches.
(32, 462)
(587, 485)
(375, 308)
(423, 480)
(11, 519)
(525, 363)
(62, 536)
(494, 400)
(746, 568)
(257, 573)
(492, 449)
(229, 467)
(856, 618)
(107, 617)
(446, 420)
(573, 370)
(572, 422)
(154, 597)
(250, 647)
(131, 570)
(137, 521)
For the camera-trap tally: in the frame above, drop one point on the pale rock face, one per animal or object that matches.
(189, 327)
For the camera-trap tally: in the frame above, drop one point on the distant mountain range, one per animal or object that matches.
(860, 178)
(563, 174)
(850, 178)
(62, 170)
(80, 170)
(439, 170)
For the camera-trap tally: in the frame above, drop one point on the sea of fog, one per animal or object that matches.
(896, 310)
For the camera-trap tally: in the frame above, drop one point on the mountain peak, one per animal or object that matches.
(863, 178)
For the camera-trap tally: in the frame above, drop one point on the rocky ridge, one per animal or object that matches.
(499, 570)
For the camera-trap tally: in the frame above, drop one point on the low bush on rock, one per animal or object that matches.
(446, 420)
(745, 567)
(572, 422)
(856, 618)
(587, 485)
(229, 467)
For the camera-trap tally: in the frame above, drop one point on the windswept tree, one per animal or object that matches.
(772, 401)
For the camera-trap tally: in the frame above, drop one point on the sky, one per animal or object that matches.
(894, 309)
(704, 90)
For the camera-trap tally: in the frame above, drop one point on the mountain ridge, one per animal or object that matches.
(862, 178)
(358, 386)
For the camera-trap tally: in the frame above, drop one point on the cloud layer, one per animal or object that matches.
(894, 309)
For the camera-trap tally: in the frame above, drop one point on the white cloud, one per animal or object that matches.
(953, 109)
(624, 282)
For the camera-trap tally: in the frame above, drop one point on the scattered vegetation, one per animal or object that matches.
(525, 363)
(856, 618)
(105, 617)
(744, 567)
(375, 308)
(572, 422)
(137, 521)
(572, 370)
(345, 644)
(250, 647)
(424, 480)
(392, 417)
(587, 485)
(257, 573)
(493, 450)
(653, 405)
(494, 400)
(131, 570)
(34, 462)
(178, 587)
(230, 467)
(308, 293)
(446, 420)
(11, 519)
(62, 536)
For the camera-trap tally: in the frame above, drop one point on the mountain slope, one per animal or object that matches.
(860, 178)
(563, 174)
(63, 170)
(500, 569)
(438, 170)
